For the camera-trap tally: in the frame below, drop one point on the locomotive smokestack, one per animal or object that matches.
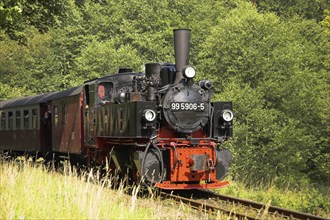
(181, 49)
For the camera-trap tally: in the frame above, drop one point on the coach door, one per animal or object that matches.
(89, 115)
(46, 127)
(60, 120)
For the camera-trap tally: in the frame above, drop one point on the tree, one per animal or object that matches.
(280, 64)
(312, 9)
(18, 15)
(103, 58)
(326, 21)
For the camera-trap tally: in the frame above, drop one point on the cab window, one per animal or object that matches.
(104, 91)
(101, 91)
(89, 95)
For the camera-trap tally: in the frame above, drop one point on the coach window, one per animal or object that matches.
(34, 118)
(55, 116)
(26, 119)
(18, 120)
(3, 121)
(10, 120)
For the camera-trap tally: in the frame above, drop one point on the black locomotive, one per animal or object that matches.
(155, 124)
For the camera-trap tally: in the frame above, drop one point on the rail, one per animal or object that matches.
(239, 208)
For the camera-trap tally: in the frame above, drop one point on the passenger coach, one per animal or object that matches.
(25, 127)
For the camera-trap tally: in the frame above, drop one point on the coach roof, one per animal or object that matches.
(41, 98)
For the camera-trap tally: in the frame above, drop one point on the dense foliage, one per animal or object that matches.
(271, 58)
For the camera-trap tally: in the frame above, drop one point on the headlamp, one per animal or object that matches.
(149, 115)
(227, 115)
(189, 72)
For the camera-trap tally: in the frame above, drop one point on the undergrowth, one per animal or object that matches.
(304, 198)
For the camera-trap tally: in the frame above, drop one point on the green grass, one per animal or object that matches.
(31, 191)
(308, 199)
(35, 191)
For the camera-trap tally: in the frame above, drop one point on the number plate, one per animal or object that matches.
(187, 106)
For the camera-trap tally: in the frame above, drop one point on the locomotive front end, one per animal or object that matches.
(190, 139)
(192, 129)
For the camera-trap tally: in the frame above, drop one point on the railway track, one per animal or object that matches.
(234, 207)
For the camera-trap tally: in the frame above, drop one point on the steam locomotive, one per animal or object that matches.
(155, 124)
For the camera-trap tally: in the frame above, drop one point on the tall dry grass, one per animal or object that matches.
(30, 190)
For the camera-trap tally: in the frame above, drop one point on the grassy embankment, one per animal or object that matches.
(31, 190)
(309, 199)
